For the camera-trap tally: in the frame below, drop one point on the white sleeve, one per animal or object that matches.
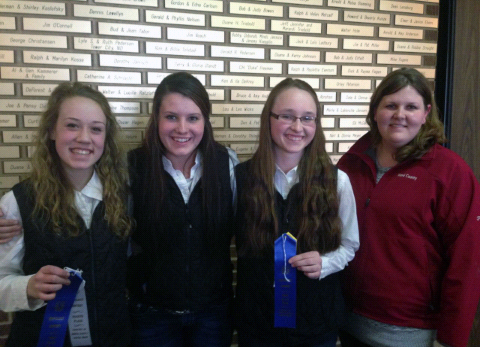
(13, 282)
(337, 260)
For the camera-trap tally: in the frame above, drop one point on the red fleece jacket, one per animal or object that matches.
(419, 259)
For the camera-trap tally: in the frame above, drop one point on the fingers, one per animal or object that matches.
(6, 234)
(8, 228)
(312, 272)
(307, 258)
(310, 263)
(46, 282)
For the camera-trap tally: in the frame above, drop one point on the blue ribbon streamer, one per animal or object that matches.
(285, 282)
(55, 320)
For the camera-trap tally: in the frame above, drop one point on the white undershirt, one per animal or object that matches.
(186, 185)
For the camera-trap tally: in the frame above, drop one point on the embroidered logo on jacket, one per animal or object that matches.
(407, 176)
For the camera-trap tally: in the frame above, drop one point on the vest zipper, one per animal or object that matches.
(94, 290)
(188, 258)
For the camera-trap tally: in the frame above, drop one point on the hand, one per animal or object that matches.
(46, 282)
(309, 262)
(8, 228)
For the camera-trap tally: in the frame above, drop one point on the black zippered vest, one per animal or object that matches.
(320, 305)
(101, 256)
(178, 272)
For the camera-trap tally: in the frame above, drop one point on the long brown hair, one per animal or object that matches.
(431, 131)
(155, 184)
(54, 193)
(318, 223)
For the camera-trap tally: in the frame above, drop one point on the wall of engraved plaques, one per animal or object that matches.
(238, 49)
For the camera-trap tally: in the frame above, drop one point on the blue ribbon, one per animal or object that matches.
(55, 320)
(285, 282)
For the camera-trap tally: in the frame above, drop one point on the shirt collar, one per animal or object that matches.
(290, 175)
(94, 188)
(168, 166)
(285, 181)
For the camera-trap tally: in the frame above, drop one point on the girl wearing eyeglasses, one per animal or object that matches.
(290, 185)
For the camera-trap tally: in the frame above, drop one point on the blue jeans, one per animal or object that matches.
(158, 327)
(328, 340)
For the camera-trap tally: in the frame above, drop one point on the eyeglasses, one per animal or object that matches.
(290, 119)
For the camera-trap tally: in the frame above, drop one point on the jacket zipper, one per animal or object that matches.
(94, 291)
(188, 257)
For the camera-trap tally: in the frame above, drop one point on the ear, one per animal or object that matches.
(427, 111)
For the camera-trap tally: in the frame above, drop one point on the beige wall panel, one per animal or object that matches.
(238, 49)
(33, 7)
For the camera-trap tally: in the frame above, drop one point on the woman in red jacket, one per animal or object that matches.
(415, 278)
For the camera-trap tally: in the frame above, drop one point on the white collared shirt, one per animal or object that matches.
(337, 260)
(13, 281)
(186, 185)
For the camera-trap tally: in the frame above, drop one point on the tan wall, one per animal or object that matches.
(238, 49)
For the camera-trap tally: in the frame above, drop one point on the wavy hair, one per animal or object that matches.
(54, 193)
(318, 223)
(155, 184)
(431, 131)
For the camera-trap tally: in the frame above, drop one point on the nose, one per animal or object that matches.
(181, 126)
(399, 112)
(84, 135)
(296, 125)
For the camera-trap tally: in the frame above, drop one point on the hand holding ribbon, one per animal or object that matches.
(310, 263)
(57, 312)
(46, 282)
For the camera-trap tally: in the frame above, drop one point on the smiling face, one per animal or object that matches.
(399, 117)
(79, 136)
(180, 127)
(290, 140)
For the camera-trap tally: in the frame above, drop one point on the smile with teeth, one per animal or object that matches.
(294, 137)
(180, 139)
(81, 151)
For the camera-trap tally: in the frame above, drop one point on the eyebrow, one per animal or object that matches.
(179, 114)
(78, 120)
(293, 111)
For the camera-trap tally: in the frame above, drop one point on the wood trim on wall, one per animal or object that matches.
(465, 117)
(465, 127)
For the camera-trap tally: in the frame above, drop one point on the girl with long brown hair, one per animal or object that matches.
(290, 185)
(180, 275)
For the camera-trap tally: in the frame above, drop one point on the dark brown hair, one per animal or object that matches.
(430, 133)
(154, 192)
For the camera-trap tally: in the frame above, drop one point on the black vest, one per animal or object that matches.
(320, 306)
(178, 272)
(98, 253)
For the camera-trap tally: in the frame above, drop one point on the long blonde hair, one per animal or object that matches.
(54, 194)
(319, 226)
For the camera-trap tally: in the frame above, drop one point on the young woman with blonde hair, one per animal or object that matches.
(73, 212)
